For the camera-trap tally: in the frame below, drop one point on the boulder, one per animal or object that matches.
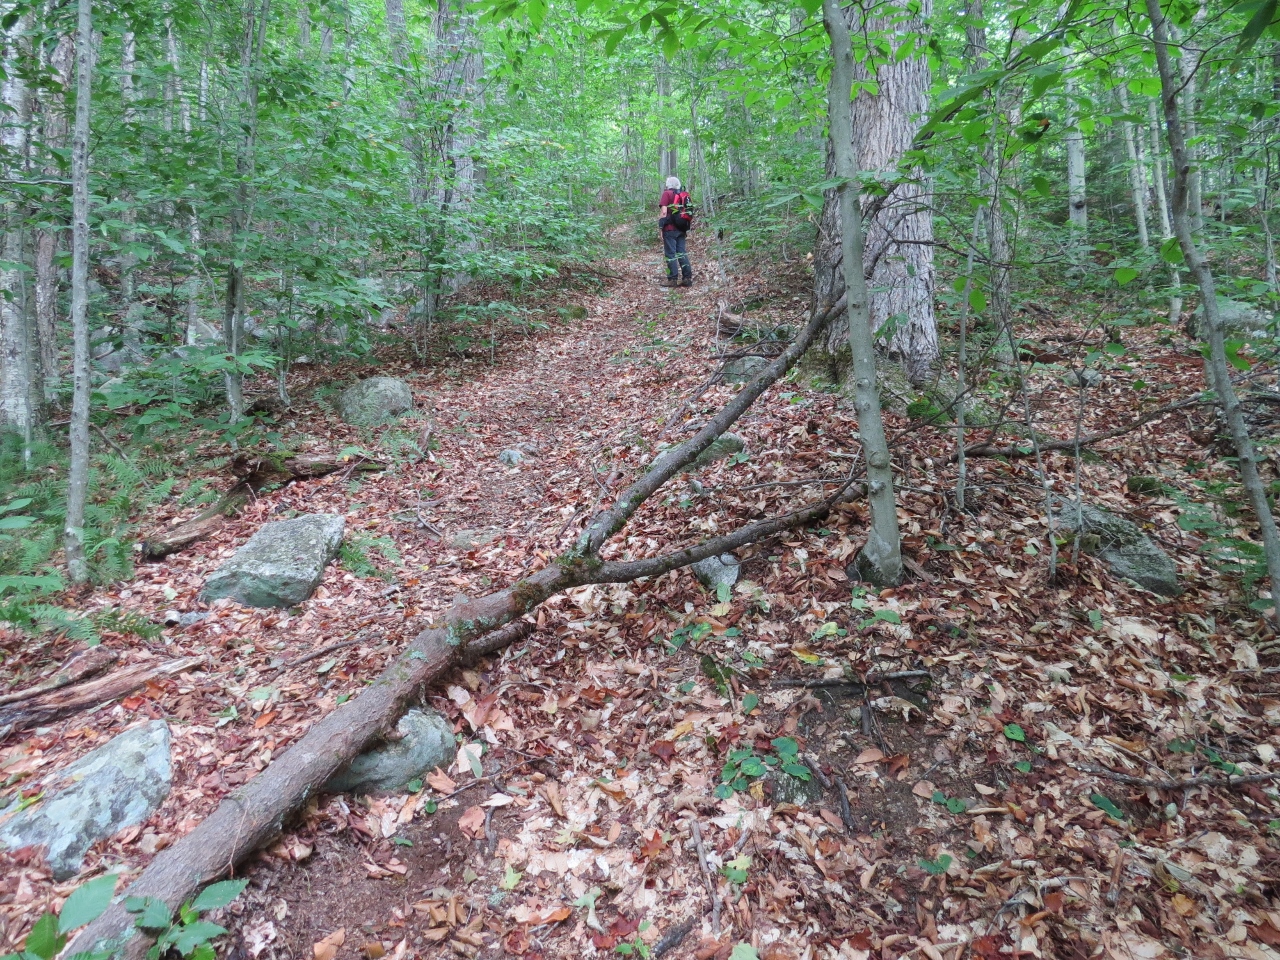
(1122, 545)
(744, 369)
(425, 741)
(281, 565)
(1243, 318)
(119, 784)
(511, 458)
(716, 571)
(374, 401)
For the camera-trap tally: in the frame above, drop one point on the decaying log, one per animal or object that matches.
(255, 473)
(79, 666)
(254, 814)
(56, 704)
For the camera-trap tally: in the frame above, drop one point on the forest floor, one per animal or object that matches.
(957, 814)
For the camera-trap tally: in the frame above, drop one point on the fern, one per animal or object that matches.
(354, 554)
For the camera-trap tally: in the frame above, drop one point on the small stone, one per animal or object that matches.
(374, 401)
(470, 539)
(1120, 544)
(281, 565)
(425, 742)
(512, 458)
(192, 618)
(119, 784)
(716, 571)
(789, 789)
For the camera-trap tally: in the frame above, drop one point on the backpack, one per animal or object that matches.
(680, 211)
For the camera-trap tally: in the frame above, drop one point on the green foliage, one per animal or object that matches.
(355, 555)
(187, 934)
(743, 765)
(51, 932)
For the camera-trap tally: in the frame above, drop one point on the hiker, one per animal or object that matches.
(676, 218)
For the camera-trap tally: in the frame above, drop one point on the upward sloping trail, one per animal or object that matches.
(254, 814)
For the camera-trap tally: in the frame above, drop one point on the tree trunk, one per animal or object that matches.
(1137, 173)
(459, 73)
(668, 156)
(1077, 201)
(78, 474)
(880, 560)
(54, 129)
(233, 317)
(19, 410)
(899, 233)
(1218, 372)
(1159, 181)
(254, 814)
(131, 322)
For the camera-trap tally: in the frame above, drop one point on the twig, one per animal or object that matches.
(871, 680)
(710, 877)
(846, 813)
(1113, 892)
(818, 775)
(674, 938)
(317, 654)
(1207, 781)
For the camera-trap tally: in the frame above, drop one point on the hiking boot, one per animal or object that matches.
(669, 282)
(687, 282)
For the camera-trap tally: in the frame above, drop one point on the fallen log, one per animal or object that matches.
(254, 814)
(256, 473)
(56, 704)
(80, 666)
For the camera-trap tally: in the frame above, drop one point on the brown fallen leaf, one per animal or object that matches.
(870, 755)
(472, 822)
(441, 782)
(327, 948)
(924, 788)
(374, 950)
(551, 790)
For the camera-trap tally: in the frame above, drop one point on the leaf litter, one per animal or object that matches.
(621, 777)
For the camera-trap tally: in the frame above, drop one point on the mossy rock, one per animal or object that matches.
(375, 401)
(574, 311)
(1120, 544)
(1147, 486)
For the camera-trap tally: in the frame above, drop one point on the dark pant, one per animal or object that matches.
(677, 259)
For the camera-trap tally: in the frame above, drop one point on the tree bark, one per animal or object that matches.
(131, 321)
(1137, 173)
(78, 473)
(19, 410)
(1077, 200)
(880, 560)
(899, 236)
(54, 130)
(254, 814)
(1218, 372)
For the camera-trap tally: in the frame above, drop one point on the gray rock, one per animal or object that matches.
(374, 401)
(425, 742)
(789, 789)
(1122, 545)
(512, 458)
(281, 565)
(714, 571)
(1243, 318)
(470, 539)
(744, 369)
(115, 786)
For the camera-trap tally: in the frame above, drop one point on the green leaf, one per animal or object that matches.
(414, 785)
(956, 805)
(187, 938)
(1106, 806)
(977, 300)
(1023, 766)
(87, 902)
(44, 940)
(1124, 275)
(724, 593)
(1263, 13)
(939, 797)
(749, 702)
(510, 879)
(153, 914)
(888, 616)
(1171, 251)
(744, 951)
(218, 895)
(1015, 732)
(402, 841)
(936, 867)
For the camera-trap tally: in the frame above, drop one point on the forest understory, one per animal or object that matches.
(1045, 781)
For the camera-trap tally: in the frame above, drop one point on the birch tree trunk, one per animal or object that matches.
(54, 131)
(78, 475)
(19, 410)
(1077, 201)
(129, 215)
(458, 76)
(668, 155)
(899, 237)
(1217, 371)
(1159, 181)
(1137, 173)
(880, 560)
